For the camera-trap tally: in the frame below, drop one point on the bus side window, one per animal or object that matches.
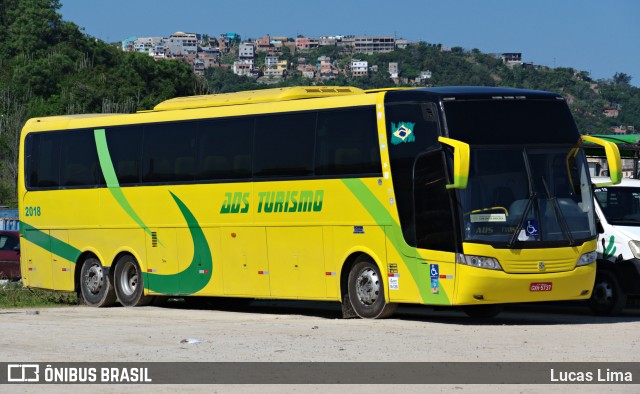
(224, 148)
(169, 152)
(184, 167)
(346, 159)
(242, 166)
(43, 160)
(127, 171)
(125, 149)
(283, 145)
(214, 167)
(78, 157)
(347, 143)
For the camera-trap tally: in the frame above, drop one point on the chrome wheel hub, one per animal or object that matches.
(129, 279)
(94, 279)
(367, 286)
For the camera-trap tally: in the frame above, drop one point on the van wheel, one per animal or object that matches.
(129, 282)
(608, 297)
(366, 290)
(95, 287)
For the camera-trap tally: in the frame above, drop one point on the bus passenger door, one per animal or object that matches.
(62, 269)
(431, 265)
(38, 259)
(296, 261)
(245, 265)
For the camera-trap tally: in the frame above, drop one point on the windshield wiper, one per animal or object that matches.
(532, 197)
(558, 213)
(525, 214)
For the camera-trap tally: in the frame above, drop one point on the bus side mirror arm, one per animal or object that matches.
(461, 160)
(613, 159)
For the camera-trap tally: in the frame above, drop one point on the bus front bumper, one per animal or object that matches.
(478, 286)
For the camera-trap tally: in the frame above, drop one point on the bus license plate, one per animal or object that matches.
(540, 286)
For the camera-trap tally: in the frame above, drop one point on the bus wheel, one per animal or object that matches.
(129, 282)
(483, 311)
(95, 287)
(366, 290)
(607, 298)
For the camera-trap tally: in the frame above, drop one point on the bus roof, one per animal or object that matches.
(447, 93)
(345, 95)
(256, 96)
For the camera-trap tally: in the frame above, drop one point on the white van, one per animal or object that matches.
(618, 275)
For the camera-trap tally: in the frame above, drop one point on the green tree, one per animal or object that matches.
(30, 26)
(621, 79)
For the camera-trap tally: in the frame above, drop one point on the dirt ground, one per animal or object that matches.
(305, 331)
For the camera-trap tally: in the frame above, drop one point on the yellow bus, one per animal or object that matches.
(456, 196)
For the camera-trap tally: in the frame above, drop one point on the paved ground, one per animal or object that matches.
(305, 331)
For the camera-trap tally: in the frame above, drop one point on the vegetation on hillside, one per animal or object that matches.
(50, 67)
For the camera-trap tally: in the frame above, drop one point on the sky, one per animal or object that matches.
(600, 37)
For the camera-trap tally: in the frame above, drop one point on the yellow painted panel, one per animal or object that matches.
(368, 239)
(162, 256)
(215, 285)
(296, 262)
(38, 268)
(332, 267)
(403, 286)
(62, 269)
(245, 263)
(64, 209)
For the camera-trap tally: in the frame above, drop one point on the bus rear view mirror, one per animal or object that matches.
(613, 159)
(460, 162)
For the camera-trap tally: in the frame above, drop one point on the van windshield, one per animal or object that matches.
(620, 205)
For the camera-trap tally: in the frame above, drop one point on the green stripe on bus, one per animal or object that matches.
(191, 280)
(382, 217)
(49, 243)
(109, 173)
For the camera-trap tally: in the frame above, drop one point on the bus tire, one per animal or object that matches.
(608, 297)
(95, 287)
(366, 290)
(129, 283)
(483, 311)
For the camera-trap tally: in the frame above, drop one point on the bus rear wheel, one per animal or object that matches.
(366, 290)
(129, 282)
(95, 287)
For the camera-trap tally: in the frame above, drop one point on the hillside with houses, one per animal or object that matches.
(605, 106)
(53, 68)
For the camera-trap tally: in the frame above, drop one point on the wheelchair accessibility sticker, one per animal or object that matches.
(434, 272)
(531, 228)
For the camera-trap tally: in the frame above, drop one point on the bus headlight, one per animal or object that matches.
(587, 259)
(635, 248)
(489, 263)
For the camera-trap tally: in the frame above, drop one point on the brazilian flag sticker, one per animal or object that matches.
(402, 132)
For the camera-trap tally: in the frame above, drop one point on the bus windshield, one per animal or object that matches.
(532, 195)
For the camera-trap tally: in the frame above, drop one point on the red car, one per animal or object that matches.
(10, 255)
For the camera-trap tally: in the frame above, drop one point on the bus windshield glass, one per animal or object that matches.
(516, 121)
(524, 194)
(527, 186)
